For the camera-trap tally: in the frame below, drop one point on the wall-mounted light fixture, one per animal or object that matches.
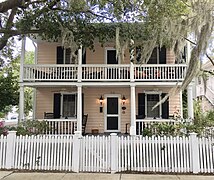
(101, 100)
(101, 104)
(123, 104)
(123, 100)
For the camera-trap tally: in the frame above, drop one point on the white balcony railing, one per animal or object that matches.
(157, 72)
(50, 72)
(102, 72)
(97, 72)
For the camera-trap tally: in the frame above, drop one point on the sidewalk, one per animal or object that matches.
(10, 175)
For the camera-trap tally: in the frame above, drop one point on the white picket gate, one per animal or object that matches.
(95, 154)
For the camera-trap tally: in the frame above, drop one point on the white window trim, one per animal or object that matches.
(119, 113)
(105, 58)
(160, 107)
(61, 106)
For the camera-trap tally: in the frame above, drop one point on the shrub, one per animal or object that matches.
(29, 127)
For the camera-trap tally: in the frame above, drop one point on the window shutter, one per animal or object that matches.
(60, 55)
(165, 107)
(162, 55)
(83, 55)
(141, 105)
(57, 105)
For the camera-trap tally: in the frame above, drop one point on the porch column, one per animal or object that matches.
(133, 113)
(181, 104)
(21, 93)
(21, 103)
(79, 108)
(190, 102)
(79, 75)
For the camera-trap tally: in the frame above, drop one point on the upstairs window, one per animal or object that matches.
(64, 56)
(158, 56)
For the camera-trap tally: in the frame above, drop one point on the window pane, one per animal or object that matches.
(68, 56)
(112, 105)
(112, 123)
(153, 99)
(69, 104)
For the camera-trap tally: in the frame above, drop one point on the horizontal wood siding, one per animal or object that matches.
(44, 102)
(170, 57)
(46, 53)
(92, 107)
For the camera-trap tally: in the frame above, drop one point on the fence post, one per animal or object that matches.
(194, 150)
(10, 149)
(76, 151)
(114, 153)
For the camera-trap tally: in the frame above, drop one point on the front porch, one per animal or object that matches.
(123, 110)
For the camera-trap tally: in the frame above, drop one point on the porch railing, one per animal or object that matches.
(141, 124)
(156, 72)
(60, 126)
(50, 72)
(97, 72)
(103, 72)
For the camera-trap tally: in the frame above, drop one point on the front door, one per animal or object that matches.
(112, 120)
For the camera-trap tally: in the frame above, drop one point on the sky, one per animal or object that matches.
(29, 45)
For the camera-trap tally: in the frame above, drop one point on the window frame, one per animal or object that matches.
(62, 105)
(106, 53)
(146, 103)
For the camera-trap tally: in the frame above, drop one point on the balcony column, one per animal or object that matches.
(181, 104)
(132, 52)
(79, 75)
(190, 102)
(21, 93)
(21, 103)
(133, 113)
(79, 108)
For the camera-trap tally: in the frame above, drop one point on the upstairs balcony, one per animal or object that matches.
(104, 73)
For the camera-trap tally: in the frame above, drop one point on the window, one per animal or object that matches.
(158, 56)
(147, 100)
(64, 56)
(151, 101)
(111, 56)
(69, 105)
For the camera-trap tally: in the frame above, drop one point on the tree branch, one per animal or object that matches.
(211, 60)
(5, 37)
(20, 32)
(10, 4)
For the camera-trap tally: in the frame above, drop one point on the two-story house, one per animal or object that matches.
(117, 95)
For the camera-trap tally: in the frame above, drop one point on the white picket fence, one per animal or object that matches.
(107, 153)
